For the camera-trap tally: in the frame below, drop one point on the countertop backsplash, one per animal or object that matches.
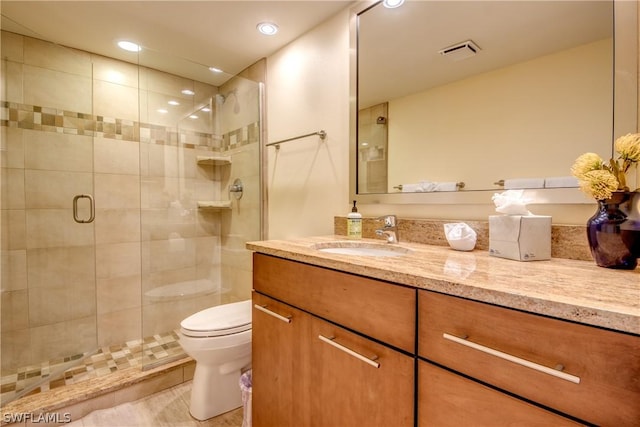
(567, 241)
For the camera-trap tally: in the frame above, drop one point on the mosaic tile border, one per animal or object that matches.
(32, 117)
(149, 351)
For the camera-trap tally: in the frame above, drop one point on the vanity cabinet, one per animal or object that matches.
(333, 348)
(586, 372)
(330, 348)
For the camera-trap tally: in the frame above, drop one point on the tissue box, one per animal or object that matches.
(520, 237)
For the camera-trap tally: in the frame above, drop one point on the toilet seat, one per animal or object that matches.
(226, 319)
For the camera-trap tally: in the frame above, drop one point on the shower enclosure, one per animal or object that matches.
(127, 196)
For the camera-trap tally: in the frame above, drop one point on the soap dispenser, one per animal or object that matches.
(354, 223)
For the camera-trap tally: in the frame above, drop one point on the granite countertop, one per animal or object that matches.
(566, 289)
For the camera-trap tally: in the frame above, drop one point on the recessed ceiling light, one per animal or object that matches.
(188, 92)
(206, 109)
(130, 46)
(215, 70)
(391, 4)
(172, 102)
(163, 111)
(267, 28)
(193, 116)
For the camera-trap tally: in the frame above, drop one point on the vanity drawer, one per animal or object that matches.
(505, 348)
(378, 309)
(451, 400)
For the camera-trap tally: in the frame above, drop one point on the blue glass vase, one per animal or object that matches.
(613, 231)
(630, 229)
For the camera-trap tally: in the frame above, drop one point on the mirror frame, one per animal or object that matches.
(625, 117)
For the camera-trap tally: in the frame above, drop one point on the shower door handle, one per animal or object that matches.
(92, 210)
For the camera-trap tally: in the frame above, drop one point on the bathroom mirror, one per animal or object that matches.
(481, 91)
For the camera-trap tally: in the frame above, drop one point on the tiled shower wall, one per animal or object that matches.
(76, 123)
(372, 158)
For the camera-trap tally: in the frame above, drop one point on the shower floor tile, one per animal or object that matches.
(152, 350)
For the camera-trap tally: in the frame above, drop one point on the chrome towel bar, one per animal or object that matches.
(320, 133)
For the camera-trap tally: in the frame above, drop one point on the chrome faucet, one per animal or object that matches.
(390, 229)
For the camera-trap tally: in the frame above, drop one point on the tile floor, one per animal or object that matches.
(168, 408)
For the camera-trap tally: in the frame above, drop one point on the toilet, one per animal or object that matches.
(219, 340)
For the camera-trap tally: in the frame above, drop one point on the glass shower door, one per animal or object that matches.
(194, 228)
(48, 245)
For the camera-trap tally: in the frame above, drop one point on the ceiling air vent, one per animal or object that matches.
(460, 51)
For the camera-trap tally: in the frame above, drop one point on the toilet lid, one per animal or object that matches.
(220, 320)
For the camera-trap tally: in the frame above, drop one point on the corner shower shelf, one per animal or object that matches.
(214, 205)
(213, 160)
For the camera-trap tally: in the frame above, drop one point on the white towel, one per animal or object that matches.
(411, 188)
(512, 184)
(561, 182)
(428, 186)
(446, 186)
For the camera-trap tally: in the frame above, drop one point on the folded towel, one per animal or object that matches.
(511, 184)
(411, 188)
(428, 186)
(446, 186)
(561, 182)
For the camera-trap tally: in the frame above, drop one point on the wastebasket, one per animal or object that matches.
(245, 386)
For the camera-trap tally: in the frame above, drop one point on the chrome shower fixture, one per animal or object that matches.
(222, 99)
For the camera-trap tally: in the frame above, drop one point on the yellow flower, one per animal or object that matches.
(628, 146)
(598, 184)
(599, 179)
(586, 163)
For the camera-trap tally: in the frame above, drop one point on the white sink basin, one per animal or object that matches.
(362, 249)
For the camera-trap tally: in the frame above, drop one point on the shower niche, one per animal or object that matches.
(213, 163)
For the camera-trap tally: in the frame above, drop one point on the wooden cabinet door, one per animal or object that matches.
(446, 399)
(280, 395)
(358, 382)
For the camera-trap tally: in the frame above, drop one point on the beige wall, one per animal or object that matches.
(505, 123)
(307, 187)
(308, 90)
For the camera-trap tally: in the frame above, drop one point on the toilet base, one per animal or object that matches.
(214, 393)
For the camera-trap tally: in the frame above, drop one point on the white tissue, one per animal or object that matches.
(511, 202)
(460, 236)
(510, 184)
(561, 182)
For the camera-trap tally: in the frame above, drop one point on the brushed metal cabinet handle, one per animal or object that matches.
(370, 361)
(514, 359)
(264, 309)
